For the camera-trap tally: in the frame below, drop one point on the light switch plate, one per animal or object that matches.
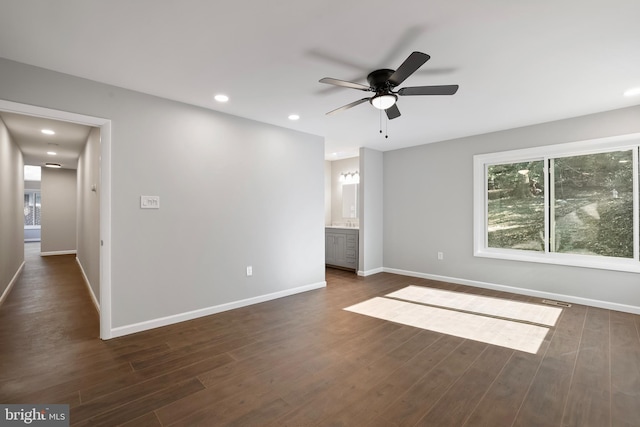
(150, 202)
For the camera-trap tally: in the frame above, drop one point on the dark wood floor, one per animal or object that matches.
(302, 360)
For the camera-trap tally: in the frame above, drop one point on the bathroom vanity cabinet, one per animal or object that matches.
(341, 247)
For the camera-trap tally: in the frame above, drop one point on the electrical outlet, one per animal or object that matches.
(440, 256)
(249, 271)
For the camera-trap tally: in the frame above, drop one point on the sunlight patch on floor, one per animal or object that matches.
(514, 310)
(509, 328)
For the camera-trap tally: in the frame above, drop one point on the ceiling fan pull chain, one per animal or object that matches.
(380, 121)
(386, 127)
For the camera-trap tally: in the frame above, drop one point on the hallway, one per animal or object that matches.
(45, 323)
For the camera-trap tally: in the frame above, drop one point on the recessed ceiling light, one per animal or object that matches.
(221, 98)
(53, 165)
(635, 91)
(48, 132)
(51, 153)
(294, 117)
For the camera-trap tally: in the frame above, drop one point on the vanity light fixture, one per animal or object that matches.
(349, 177)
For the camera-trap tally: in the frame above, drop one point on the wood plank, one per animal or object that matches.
(454, 406)
(430, 348)
(588, 402)
(147, 420)
(418, 400)
(544, 402)
(129, 383)
(371, 363)
(138, 407)
(625, 370)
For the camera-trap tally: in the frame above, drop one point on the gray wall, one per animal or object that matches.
(254, 190)
(58, 215)
(371, 211)
(88, 217)
(32, 185)
(327, 192)
(428, 207)
(11, 208)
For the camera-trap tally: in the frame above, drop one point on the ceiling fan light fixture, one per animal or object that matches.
(634, 91)
(383, 101)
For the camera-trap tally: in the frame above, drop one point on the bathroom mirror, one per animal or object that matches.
(350, 201)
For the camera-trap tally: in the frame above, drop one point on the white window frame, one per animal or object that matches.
(34, 192)
(594, 146)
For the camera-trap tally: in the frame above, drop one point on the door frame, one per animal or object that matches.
(105, 194)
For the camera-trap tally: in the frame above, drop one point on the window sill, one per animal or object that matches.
(570, 260)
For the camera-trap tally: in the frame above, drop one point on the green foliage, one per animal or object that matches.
(615, 234)
(506, 176)
(516, 223)
(603, 171)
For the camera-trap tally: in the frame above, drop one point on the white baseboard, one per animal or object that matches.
(96, 304)
(522, 291)
(53, 253)
(13, 281)
(182, 317)
(370, 272)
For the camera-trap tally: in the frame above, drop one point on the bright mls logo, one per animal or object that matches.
(34, 415)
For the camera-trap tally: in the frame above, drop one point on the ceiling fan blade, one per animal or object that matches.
(408, 67)
(428, 90)
(346, 107)
(393, 112)
(336, 82)
(338, 60)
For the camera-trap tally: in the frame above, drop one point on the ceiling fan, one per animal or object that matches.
(383, 82)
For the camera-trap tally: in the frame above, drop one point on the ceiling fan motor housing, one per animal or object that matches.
(379, 80)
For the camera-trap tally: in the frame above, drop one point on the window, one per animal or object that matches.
(572, 204)
(32, 207)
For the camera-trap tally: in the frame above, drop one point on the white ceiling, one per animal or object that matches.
(67, 142)
(517, 62)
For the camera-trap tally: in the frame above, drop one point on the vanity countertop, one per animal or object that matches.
(344, 227)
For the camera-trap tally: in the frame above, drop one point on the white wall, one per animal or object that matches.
(259, 200)
(11, 211)
(88, 217)
(428, 192)
(58, 214)
(371, 212)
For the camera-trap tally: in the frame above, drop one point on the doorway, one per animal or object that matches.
(103, 190)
